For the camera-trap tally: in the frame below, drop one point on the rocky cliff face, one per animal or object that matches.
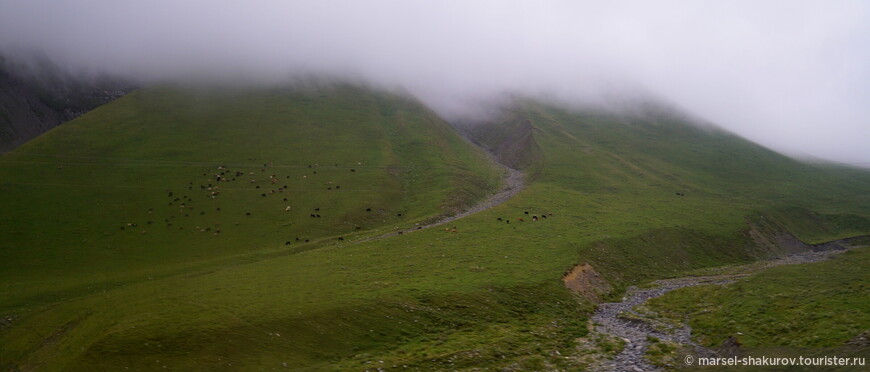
(34, 99)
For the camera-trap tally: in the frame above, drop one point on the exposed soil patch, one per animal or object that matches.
(586, 282)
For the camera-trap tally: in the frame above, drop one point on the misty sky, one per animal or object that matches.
(793, 75)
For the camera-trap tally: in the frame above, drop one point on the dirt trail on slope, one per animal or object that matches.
(514, 182)
(620, 319)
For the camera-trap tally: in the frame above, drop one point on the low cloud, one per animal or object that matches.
(791, 75)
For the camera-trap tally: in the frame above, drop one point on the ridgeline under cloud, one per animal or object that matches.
(794, 76)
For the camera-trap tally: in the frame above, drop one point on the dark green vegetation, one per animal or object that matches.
(85, 294)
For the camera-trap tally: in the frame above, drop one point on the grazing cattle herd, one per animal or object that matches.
(221, 178)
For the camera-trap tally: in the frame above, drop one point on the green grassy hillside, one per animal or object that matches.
(165, 179)
(487, 295)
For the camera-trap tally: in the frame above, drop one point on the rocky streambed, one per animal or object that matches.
(622, 319)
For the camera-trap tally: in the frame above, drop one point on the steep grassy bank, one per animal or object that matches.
(810, 310)
(821, 304)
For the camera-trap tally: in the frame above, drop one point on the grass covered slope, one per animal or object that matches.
(487, 295)
(649, 194)
(164, 179)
